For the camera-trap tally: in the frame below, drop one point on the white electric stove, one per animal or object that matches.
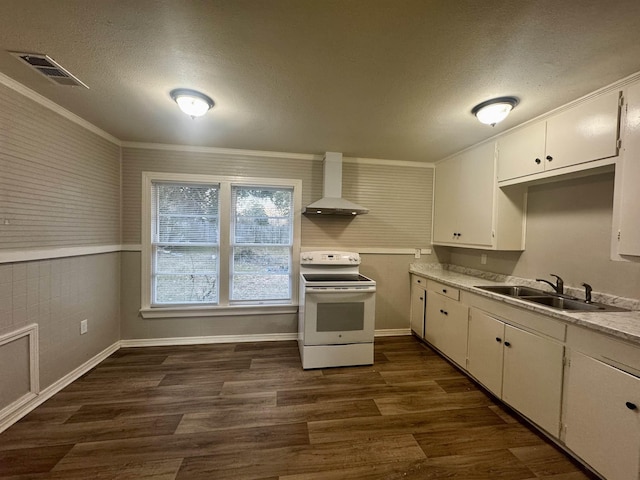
(336, 319)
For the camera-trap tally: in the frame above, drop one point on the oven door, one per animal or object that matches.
(339, 316)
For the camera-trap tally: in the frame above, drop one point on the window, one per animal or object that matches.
(218, 243)
(262, 239)
(185, 241)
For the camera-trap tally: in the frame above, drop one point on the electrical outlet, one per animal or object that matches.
(84, 325)
(417, 254)
(483, 259)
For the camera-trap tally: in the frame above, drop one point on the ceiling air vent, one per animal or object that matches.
(47, 66)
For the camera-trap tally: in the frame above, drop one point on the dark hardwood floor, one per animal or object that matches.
(249, 411)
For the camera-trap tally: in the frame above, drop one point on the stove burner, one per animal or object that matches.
(334, 277)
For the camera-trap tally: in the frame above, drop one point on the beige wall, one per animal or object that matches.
(14, 380)
(57, 294)
(60, 183)
(399, 198)
(391, 273)
(135, 327)
(569, 234)
(59, 187)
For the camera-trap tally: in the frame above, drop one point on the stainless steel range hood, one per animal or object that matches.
(332, 202)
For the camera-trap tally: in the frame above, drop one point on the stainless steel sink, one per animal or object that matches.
(513, 290)
(568, 304)
(548, 299)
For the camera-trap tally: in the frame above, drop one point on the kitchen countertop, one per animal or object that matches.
(623, 325)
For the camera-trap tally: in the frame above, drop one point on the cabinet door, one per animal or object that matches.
(418, 302)
(445, 201)
(464, 198)
(484, 355)
(446, 326)
(584, 133)
(532, 377)
(629, 243)
(521, 153)
(602, 429)
(477, 188)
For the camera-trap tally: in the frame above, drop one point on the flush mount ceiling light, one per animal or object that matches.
(191, 102)
(495, 110)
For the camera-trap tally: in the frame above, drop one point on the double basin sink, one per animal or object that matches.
(548, 299)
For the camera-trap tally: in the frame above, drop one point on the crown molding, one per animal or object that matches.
(45, 102)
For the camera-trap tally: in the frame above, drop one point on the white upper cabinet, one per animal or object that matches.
(581, 134)
(521, 153)
(470, 210)
(629, 177)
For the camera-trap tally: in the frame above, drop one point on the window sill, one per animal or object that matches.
(228, 311)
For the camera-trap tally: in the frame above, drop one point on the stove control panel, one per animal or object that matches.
(327, 257)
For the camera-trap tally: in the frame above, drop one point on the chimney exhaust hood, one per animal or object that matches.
(332, 202)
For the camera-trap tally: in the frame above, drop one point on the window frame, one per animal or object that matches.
(224, 306)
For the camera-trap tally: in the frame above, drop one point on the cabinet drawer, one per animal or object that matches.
(528, 320)
(604, 348)
(442, 289)
(420, 281)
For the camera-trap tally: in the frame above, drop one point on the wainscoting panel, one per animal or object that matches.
(19, 383)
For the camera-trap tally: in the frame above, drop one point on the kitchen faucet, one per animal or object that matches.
(558, 287)
(587, 292)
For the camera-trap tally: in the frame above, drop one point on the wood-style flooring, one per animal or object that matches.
(249, 411)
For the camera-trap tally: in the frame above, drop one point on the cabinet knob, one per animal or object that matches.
(538, 161)
(549, 157)
(444, 290)
(421, 298)
(445, 312)
(507, 344)
(631, 406)
(419, 281)
(498, 339)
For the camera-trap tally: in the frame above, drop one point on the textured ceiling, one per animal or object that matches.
(392, 79)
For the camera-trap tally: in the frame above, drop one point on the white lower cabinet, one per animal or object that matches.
(532, 377)
(418, 304)
(485, 352)
(602, 417)
(522, 368)
(519, 356)
(446, 326)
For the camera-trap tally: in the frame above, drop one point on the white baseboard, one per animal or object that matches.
(22, 407)
(393, 332)
(265, 337)
(159, 342)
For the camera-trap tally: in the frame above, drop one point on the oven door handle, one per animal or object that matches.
(341, 290)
